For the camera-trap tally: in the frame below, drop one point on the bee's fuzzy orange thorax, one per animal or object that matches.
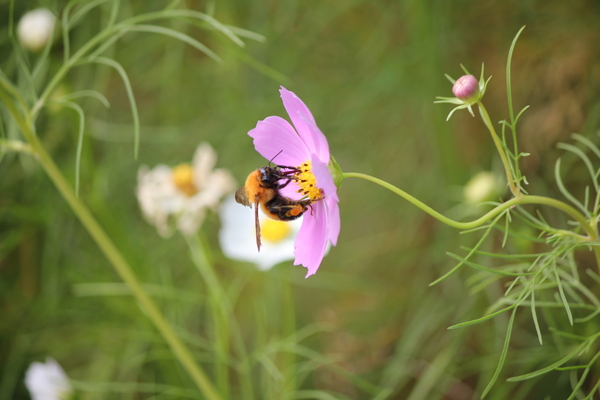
(254, 189)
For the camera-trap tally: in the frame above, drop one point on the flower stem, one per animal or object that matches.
(226, 327)
(523, 199)
(514, 189)
(106, 245)
(220, 313)
(288, 358)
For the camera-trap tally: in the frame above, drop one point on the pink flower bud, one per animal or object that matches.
(466, 88)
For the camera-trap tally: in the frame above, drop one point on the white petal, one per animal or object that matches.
(219, 183)
(238, 238)
(47, 381)
(159, 198)
(166, 206)
(203, 162)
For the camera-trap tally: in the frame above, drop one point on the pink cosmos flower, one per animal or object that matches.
(306, 148)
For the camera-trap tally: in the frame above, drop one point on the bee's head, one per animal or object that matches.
(269, 175)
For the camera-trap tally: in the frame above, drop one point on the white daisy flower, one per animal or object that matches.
(177, 198)
(35, 29)
(47, 381)
(238, 237)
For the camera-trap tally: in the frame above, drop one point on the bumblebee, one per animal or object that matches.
(262, 188)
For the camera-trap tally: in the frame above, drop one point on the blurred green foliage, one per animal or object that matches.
(369, 71)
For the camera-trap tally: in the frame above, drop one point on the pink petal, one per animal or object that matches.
(305, 124)
(291, 191)
(325, 182)
(333, 221)
(324, 179)
(311, 242)
(321, 144)
(275, 135)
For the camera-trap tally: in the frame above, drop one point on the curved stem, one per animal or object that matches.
(67, 65)
(79, 55)
(523, 199)
(514, 189)
(108, 247)
(116, 29)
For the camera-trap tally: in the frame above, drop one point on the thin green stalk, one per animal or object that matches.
(514, 189)
(116, 29)
(67, 65)
(180, 351)
(289, 331)
(597, 254)
(200, 258)
(511, 113)
(14, 145)
(220, 315)
(524, 199)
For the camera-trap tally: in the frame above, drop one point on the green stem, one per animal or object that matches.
(107, 246)
(514, 189)
(289, 332)
(597, 254)
(220, 312)
(224, 308)
(74, 60)
(114, 29)
(67, 65)
(523, 199)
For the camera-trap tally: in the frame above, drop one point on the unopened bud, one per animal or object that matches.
(466, 88)
(35, 29)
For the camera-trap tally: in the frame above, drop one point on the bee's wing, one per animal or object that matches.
(257, 225)
(241, 197)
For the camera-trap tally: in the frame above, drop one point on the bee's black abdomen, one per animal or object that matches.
(286, 209)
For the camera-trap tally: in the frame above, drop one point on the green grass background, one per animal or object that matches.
(368, 326)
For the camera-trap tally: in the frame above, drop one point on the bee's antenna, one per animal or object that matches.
(275, 156)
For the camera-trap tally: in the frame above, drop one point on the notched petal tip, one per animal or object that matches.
(310, 273)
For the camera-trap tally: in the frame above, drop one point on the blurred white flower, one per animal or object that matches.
(47, 381)
(484, 186)
(35, 29)
(238, 237)
(177, 198)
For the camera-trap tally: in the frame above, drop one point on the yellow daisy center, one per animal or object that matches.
(183, 178)
(308, 182)
(274, 231)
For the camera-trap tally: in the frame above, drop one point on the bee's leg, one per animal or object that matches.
(288, 179)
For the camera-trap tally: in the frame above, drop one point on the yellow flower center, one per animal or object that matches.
(274, 231)
(308, 182)
(183, 178)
